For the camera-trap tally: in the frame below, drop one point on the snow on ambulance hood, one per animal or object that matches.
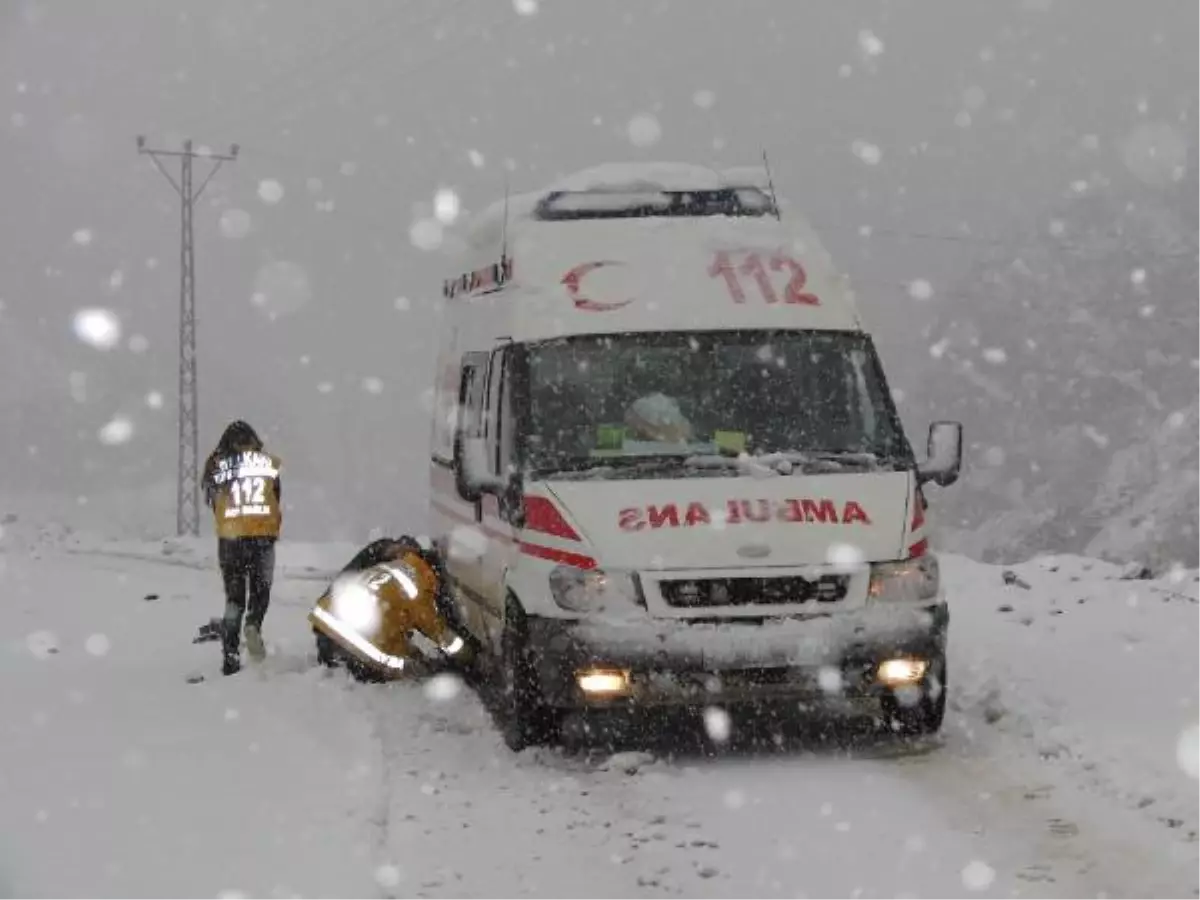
(713, 523)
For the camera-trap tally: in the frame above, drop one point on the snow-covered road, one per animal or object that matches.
(117, 778)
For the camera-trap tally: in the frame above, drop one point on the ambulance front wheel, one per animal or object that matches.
(525, 719)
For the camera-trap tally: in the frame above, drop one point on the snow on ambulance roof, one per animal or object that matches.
(602, 271)
(485, 228)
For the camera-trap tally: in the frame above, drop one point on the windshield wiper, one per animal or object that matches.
(597, 466)
(761, 465)
(785, 462)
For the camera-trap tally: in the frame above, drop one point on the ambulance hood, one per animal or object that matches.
(734, 522)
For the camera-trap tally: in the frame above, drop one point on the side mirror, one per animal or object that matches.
(475, 470)
(944, 454)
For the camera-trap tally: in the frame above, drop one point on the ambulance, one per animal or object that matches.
(667, 470)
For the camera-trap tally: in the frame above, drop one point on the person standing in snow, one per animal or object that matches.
(241, 485)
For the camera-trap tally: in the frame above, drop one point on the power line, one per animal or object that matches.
(287, 78)
(251, 116)
(187, 486)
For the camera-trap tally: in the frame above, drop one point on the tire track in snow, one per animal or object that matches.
(1060, 840)
(470, 818)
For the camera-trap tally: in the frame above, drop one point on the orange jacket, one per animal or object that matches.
(244, 491)
(385, 605)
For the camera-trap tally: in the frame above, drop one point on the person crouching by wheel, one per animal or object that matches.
(387, 614)
(241, 485)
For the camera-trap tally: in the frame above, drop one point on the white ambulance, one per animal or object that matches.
(666, 465)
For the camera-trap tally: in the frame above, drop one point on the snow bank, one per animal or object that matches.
(1093, 674)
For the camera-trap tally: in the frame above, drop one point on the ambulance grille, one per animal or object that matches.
(702, 592)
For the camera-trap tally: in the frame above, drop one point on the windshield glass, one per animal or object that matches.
(628, 398)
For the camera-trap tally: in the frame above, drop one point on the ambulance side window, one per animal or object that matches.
(501, 431)
(496, 426)
(470, 414)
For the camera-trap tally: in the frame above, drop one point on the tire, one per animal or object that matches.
(927, 715)
(525, 721)
(332, 656)
(326, 651)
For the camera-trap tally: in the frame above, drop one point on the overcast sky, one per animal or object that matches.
(919, 118)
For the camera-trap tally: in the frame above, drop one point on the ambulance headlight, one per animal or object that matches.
(593, 590)
(355, 605)
(911, 580)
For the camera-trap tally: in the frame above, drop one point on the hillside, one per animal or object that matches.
(1075, 377)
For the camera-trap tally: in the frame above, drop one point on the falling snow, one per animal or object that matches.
(97, 645)
(42, 644)
(829, 679)
(717, 724)
(1035, 201)
(644, 130)
(388, 876)
(234, 223)
(446, 206)
(869, 43)
(844, 557)
(270, 191)
(920, 289)
(443, 687)
(118, 430)
(869, 153)
(978, 876)
(1187, 751)
(426, 234)
(98, 328)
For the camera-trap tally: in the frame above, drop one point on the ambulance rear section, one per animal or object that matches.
(683, 483)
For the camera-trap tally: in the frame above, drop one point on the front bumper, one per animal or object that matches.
(828, 660)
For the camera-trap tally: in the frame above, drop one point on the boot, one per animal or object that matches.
(231, 658)
(254, 643)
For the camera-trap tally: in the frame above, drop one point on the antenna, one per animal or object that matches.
(504, 226)
(771, 185)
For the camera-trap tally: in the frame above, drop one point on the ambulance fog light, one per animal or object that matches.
(603, 682)
(901, 671)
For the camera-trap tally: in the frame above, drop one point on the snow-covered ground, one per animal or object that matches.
(1067, 766)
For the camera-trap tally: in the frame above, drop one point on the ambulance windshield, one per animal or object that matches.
(605, 400)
